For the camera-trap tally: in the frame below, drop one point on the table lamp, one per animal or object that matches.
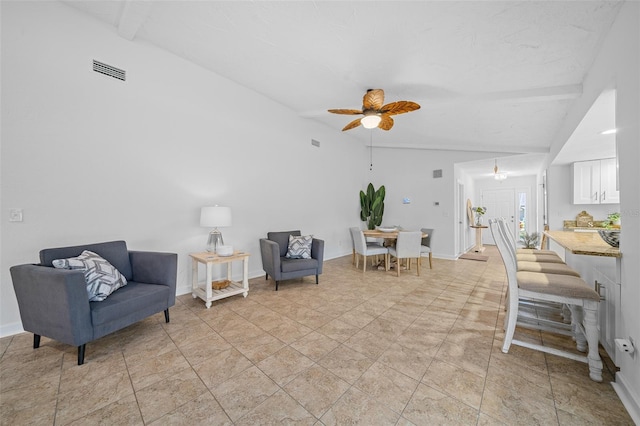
(215, 216)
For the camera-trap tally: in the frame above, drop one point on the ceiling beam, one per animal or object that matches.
(469, 147)
(542, 94)
(134, 14)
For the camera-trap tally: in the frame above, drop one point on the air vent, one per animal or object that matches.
(437, 173)
(109, 70)
(315, 143)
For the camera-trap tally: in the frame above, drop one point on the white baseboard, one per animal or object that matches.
(11, 329)
(628, 397)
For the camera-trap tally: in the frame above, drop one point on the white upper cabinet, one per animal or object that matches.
(594, 182)
(609, 193)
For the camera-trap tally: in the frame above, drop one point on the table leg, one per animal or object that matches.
(479, 247)
(207, 284)
(194, 277)
(245, 276)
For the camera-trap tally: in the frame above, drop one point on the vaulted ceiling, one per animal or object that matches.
(493, 76)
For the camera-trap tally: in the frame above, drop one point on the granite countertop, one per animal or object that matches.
(586, 243)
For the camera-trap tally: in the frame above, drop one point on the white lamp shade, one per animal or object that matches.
(215, 216)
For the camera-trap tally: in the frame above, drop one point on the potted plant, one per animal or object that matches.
(372, 206)
(613, 219)
(530, 241)
(480, 211)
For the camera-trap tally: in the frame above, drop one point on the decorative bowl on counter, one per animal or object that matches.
(610, 236)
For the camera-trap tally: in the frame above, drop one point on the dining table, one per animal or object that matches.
(387, 235)
(390, 236)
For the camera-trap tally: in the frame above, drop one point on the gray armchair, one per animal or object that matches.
(54, 302)
(274, 249)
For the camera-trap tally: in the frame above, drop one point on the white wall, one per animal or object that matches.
(617, 66)
(90, 158)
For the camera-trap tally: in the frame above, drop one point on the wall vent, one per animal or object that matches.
(105, 69)
(437, 173)
(315, 143)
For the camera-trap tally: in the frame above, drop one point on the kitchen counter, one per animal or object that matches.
(584, 243)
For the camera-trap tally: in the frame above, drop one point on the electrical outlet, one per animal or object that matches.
(15, 215)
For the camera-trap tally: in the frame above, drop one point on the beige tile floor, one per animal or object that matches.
(368, 349)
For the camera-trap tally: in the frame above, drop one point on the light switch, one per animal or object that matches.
(15, 215)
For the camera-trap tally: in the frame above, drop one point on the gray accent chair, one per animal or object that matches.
(54, 302)
(273, 250)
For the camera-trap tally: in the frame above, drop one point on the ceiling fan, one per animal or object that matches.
(375, 113)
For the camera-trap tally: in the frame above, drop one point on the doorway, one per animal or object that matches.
(500, 203)
(461, 215)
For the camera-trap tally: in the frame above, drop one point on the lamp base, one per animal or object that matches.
(215, 240)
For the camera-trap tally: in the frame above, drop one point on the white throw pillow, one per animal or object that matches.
(101, 276)
(299, 247)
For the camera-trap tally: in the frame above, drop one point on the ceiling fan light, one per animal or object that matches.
(370, 121)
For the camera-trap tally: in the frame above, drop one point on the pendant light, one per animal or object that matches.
(496, 175)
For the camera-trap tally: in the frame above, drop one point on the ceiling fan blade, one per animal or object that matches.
(400, 107)
(386, 123)
(345, 111)
(373, 99)
(355, 123)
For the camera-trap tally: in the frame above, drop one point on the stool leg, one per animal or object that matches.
(591, 331)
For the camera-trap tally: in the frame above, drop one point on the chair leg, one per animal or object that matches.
(353, 256)
(81, 349)
(166, 315)
(398, 262)
(36, 341)
(430, 262)
(277, 282)
(266, 277)
(510, 324)
(316, 278)
(418, 265)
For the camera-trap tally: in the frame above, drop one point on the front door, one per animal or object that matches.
(500, 203)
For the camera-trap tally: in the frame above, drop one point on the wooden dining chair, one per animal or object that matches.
(408, 248)
(565, 289)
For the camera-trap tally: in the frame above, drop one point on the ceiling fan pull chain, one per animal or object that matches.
(371, 150)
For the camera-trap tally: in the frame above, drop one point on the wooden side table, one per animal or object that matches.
(479, 248)
(205, 290)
